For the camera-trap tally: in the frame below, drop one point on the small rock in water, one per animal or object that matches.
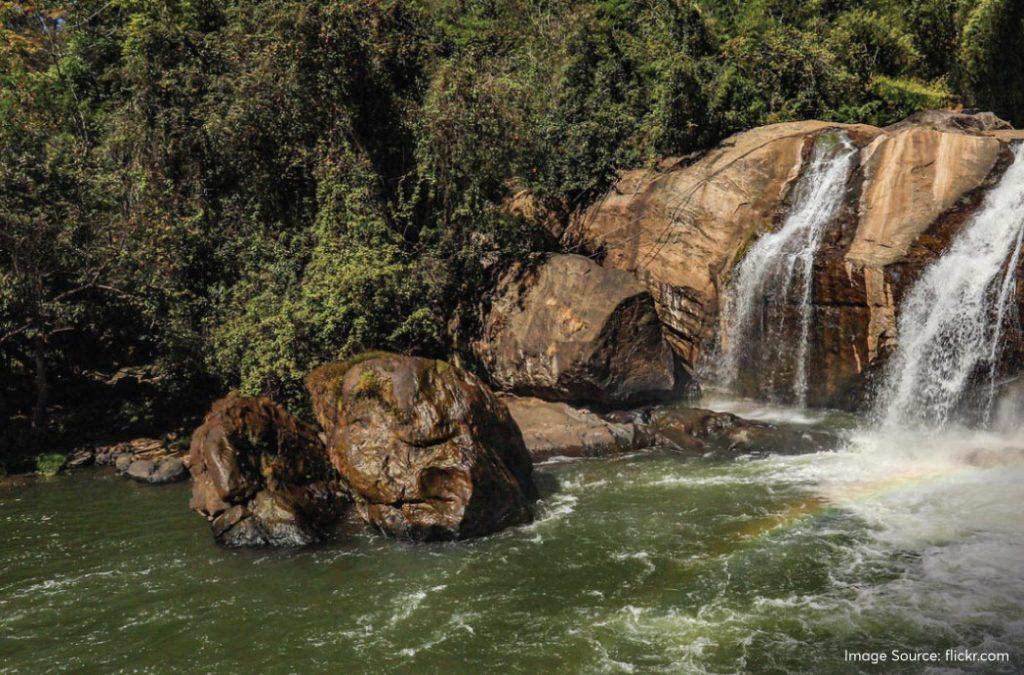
(122, 462)
(80, 458)
(559, 430)
(704, 431)
(157, 471)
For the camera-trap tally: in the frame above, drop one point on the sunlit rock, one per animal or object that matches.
(563, 328)
(427, 450)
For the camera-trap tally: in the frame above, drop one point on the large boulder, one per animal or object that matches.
(563, 328)
(427, 450)
(682, 227)
(261, 476)
(554, 429)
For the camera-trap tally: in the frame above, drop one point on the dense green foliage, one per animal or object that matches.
(199, 195)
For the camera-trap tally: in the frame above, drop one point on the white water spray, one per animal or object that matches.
(951, 322)
(764, 280)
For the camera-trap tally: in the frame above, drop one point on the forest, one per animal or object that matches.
(200, 196)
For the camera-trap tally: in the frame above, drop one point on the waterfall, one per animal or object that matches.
(776, 274)
(951, 322)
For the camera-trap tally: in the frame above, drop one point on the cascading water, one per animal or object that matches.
(776, 275)
(951, 322)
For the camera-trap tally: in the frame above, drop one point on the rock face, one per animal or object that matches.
(566, 329)
(552, 429)
(910, 179)
(682, 228)
(261, 476)
(428, 451)
(706, 431)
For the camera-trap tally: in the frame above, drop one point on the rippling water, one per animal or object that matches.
(649, 562)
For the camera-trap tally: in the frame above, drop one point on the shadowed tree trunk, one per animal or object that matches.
(42, 391)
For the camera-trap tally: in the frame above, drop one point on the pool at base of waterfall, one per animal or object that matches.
(656, 561)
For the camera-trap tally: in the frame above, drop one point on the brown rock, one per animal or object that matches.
(261, 476)
(552, 429)
(912, 177)
(680, 229)
(428, 451)
(157, 471)
(967, 121)
(920, 185)
(566, 329)
(706, 431)
(81, 458)
(122, 462)
(139, 448)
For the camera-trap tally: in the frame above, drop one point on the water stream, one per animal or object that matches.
(773, 281)
(653, 562)
(951, 323)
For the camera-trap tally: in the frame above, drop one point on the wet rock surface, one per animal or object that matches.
(147, 460)
(563, 328)
(682, 227)
(428, 451)
(261, 476)
(706, 431)
(81, 458)
(554, 429)
(157, 471)
(139, 448)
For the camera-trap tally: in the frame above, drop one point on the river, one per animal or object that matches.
(656, 561)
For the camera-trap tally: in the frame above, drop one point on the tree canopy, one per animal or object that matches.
(199, 195)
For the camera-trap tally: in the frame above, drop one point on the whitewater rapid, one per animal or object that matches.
(937, 485)
(951, 323)
(943, 527)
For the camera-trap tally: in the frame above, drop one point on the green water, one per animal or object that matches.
(651, 562)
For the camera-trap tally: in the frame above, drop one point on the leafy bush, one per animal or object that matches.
(198, 196)
(50, 464)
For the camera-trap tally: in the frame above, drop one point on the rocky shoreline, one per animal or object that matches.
(417, 449)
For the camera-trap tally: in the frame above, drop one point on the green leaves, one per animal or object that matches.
(224, 194)
(991, 56)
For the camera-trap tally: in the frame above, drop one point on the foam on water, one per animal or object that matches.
(764, 411)
(951, 501)
(654, 562)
